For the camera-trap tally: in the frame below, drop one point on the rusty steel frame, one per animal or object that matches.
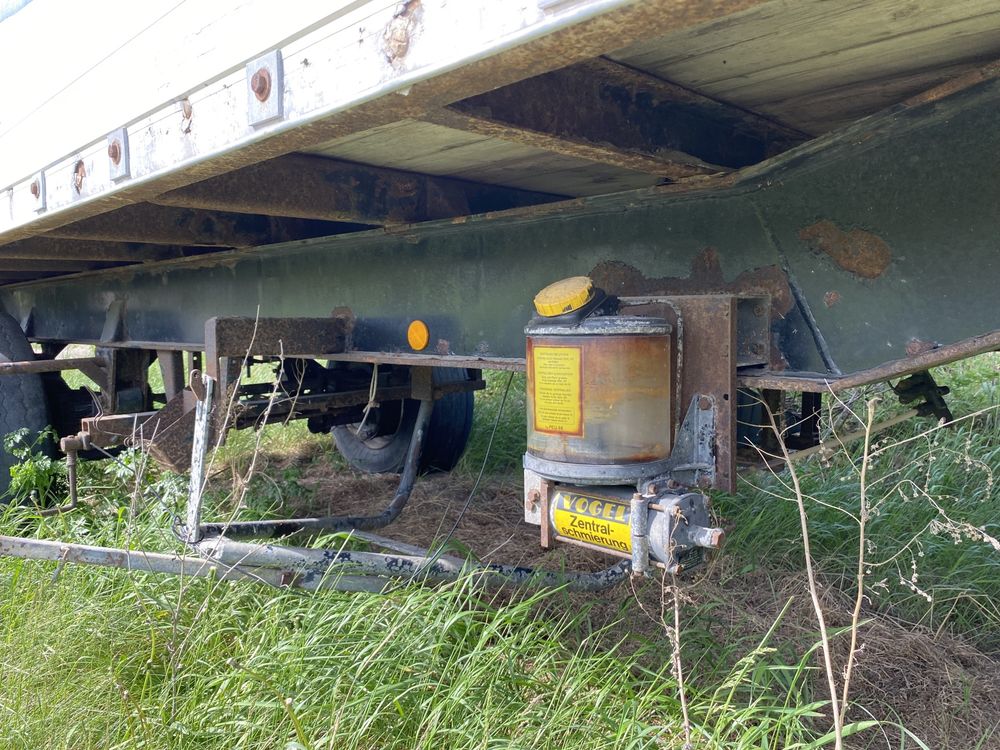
(315, 187)
(606, 112)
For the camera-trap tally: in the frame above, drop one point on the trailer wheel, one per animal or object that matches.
(22, 399)
(380, 446)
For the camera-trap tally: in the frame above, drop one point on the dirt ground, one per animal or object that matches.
(944, 690)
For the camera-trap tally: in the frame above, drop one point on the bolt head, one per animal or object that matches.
(115, 152)
(260, 84)
(79, 172)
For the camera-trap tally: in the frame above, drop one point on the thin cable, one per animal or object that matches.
(482, 471)
(372, 390)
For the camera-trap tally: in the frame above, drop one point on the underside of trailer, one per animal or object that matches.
(796, 197)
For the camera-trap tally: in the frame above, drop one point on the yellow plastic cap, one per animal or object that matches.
(564, 296)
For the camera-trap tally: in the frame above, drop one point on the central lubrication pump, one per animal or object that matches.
(601, 468)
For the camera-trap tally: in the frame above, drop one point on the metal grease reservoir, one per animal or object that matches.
(598, 388)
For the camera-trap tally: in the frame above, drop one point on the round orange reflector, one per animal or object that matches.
(417, 335)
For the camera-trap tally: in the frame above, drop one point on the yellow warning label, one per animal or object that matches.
(556, 380)
(596, 520)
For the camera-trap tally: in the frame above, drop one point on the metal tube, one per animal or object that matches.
(270, 529)
(157, 562)
(71, 481)
(49, 365)
(301, 568)
(315, 564)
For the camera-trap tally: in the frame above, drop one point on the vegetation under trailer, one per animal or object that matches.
(741, 255)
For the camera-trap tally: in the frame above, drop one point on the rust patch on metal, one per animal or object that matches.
(706, 277)
(831, 298)
(918, 346)
(862, 253)
(400, 29)
(954, 85)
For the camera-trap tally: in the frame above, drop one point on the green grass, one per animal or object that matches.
(940, 579)
(92, 658)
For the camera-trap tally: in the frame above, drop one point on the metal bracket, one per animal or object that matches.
(265, 89)
(114, 322)
(118, 159)
(921, 385)
(692, 461)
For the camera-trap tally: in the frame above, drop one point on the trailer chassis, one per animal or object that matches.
(819, 270)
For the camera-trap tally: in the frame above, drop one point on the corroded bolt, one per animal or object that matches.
(115, 152)
(704, 403)
(35, 188)
(79, 172)
(758, 310)
(186, 109)
(534, 497)
(757, 348)
(260, 84)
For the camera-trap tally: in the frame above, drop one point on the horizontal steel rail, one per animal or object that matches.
(874, 244)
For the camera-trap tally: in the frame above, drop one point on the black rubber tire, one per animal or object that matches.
(447, 436)
(22, 398)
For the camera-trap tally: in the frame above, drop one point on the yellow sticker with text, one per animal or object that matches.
(595, 520)
(556, 379)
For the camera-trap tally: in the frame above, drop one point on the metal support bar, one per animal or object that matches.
(158, 562)
(50, 365)
(314, 187)
(164, 225)
(639, 529)
(307, 569)
(202, 430)
(314, 564)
